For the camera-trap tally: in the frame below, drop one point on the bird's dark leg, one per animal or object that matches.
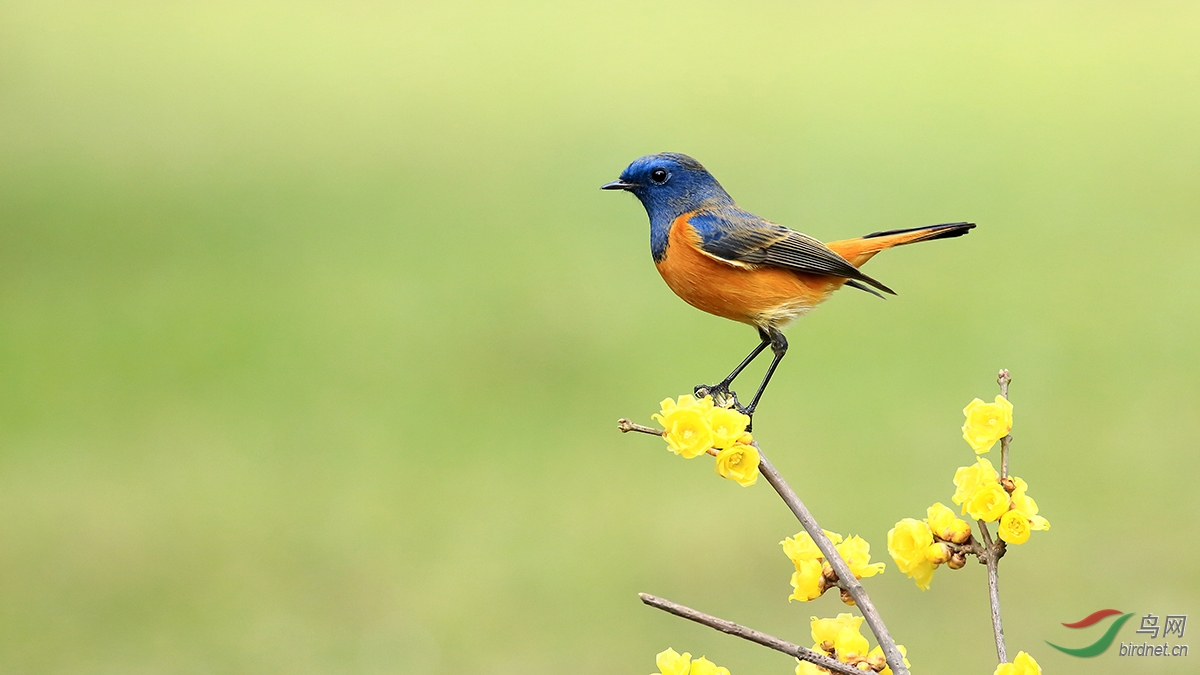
(721, 389)
(779, 347)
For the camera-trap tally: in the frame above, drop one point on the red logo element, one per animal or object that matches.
(1093, 618)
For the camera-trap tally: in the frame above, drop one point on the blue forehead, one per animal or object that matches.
(674, 162)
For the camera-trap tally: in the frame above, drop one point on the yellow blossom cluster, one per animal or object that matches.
(840, 638)
(987, 423)
(814, 576)
(671, 662)
(694, 427)
(919, 546)
(1022, 665)
(984, 496)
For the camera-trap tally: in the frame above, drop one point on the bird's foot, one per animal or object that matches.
(723, 397)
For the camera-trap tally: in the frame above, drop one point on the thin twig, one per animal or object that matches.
(992, 551)
(731, 628)
(1003, 379)
(990, 557)
(985, 535)
(846, 578)
(994, 597)
(626, 426)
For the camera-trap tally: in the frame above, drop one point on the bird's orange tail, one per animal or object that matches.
(862, 249)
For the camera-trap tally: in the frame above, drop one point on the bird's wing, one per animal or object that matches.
(737, 236)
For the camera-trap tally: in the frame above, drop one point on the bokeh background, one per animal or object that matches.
(314, 326)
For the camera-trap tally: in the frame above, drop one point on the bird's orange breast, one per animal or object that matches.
(760, 296)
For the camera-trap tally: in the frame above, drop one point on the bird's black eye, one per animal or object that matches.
(659, 176)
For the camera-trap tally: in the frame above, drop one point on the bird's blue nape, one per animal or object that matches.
(670, 184)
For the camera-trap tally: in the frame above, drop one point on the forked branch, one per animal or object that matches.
(846, 579)
(990, 556)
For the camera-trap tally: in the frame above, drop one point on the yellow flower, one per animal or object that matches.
(947, 526)
(727, 425)
(877, 654)
(968, 479)
(738, 463)
(987, 423)
(671, 662)
(806, 581)
(857, 553)
(851, 646)
(1014, 527)
(703, 666)
(1022, 665)
(827, 630)
(686, 425)
(988, 503)
(802, 546)
(1028, 508)
(907, 543)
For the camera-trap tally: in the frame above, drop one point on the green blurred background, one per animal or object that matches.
(314, 326)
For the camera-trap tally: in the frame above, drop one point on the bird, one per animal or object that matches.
(729, 262)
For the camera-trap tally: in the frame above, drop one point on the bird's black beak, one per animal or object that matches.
(617, 185)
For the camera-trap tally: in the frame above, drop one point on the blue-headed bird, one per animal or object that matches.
(729, 262)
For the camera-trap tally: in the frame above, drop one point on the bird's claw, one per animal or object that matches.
(720, 393)
(722, 396)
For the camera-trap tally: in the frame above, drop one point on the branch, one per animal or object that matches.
(846, 579)
(626, 426)
(993, 551)
(990, 556)
(731, 628)
(1003, 379)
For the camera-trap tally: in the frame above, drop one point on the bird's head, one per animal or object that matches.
(670, 182)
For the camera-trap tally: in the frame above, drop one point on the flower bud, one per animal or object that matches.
(846, 598)
(960, 532)
(876, 662)
(1008, 484)
(938, 553)
(946, 526)
(828, 573)
(957, 561)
